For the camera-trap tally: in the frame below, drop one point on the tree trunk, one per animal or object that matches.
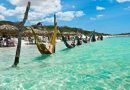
(21, 29)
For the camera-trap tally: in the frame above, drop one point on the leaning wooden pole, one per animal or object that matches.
(55, 30)
(21, 29)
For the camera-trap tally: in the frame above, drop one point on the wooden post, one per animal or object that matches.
(21, 29)
(55, 27)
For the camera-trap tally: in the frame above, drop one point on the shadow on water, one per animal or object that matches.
(67, 49)
(41, 57)
(44, 62)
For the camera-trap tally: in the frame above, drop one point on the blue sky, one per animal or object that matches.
(106, 16)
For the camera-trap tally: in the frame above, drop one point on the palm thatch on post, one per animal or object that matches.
(29, 32)
(7, 29)
(21, 29)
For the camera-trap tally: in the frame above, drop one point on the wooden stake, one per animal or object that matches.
(55, 27)
(21, 29)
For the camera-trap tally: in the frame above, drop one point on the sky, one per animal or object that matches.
(104, 16)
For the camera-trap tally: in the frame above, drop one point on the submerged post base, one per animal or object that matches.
(16, 62)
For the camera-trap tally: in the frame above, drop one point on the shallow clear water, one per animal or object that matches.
(103, 65)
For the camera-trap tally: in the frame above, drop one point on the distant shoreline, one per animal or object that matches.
(121, 35)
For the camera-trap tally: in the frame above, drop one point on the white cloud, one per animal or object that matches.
(39, 5)
(97, 17)
(79, 13)
(16, 11)
(100, 8)
(2, 8)
(121, 1)
(46, 19)
(2, 17)
(66, 16)
(40, 10)
(51, 20)
(69, 15)
(14, 2)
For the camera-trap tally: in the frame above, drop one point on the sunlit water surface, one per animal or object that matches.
(103, 65)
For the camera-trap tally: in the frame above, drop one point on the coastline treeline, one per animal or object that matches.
(49, 28)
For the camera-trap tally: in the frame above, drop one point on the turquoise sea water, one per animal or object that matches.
(103, 65)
